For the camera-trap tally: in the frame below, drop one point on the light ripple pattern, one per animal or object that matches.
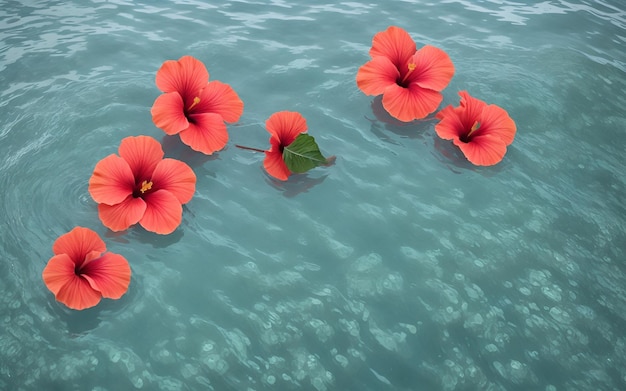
(401, 267)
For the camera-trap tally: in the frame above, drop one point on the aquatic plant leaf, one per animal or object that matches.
(303, 154)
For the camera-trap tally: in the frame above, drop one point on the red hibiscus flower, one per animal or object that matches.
(80, 273)
(193, 107)
(292, 151)
(481, 131)
(410, 80)
(283, 127)
(139, 186)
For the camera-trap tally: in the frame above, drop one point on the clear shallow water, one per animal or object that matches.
(399, 268)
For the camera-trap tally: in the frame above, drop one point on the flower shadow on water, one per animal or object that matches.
(141, 235)
(176, 149)
(297, 183)
(383, 123)
(82, 322)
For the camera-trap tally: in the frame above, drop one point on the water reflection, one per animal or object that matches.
(382, 120)
(297, 183)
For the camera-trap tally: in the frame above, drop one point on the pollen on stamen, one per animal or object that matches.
(411, 67)
(145, 186)
(196, 100)
(475, 127)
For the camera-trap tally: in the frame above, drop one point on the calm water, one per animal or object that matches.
(401, 267)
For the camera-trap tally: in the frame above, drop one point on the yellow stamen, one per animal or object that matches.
(196, 100)
(474, 128)
(411, 67)
(145, 186)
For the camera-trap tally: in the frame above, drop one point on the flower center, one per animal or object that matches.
(142, 189)
(145, 186)
(474, 128)
(411, 67)
(468, 136)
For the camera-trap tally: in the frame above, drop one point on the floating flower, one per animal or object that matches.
(410, 80)
(193, 107)
(81, 273)
(283, 127)
(291, 149)
(481, 131)
(139, 186)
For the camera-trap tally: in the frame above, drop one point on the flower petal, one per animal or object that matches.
(220, 98)
(483, 150)
(275, 165)
(450, 125)
(433, 68)
(285, 126)
(496, 121)
(58, 272)
(121, 216)
(186, 76)
(142, 153)
(176, 177)
(109, 274)
(414, 102)
(77, 294)
(163, 212)
(112, 181)
(394, 43)
(458, 121)
(78, 243)
(207, 133)
(168, 113)
(470, 109)
(376, 75)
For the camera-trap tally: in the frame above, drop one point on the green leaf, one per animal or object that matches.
(303, 154)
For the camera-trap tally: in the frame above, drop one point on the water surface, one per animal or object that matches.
(401, 267)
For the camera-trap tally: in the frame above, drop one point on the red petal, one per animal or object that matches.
(186, 76)
(458, 121)
(168, 113)
(286, 126)
(109, 274)
(163, 212)
(121, 216)
(450, 125)
(414, 102)
(68, 288)
(496, 121)
(220, 98)
(483, 150)
(376, 75)
(77, 294)
(470, 110)
(275, 165)
(433, 68)
(176, 177)
(206, 134)
(78, 243)
(395, 44)
(112, 180)
(142, 153)
(58, 272)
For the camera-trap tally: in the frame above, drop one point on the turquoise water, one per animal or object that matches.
(401, 267)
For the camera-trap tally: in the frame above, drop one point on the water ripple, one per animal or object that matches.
(402, 264)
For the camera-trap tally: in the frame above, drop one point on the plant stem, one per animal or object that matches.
(249, 148)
